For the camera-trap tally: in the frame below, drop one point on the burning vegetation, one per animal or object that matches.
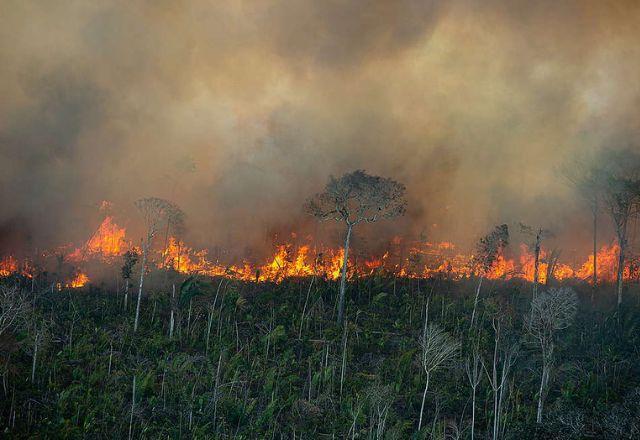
(422, 259)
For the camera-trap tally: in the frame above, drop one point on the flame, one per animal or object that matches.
(80, 280)
(424, 260)
(8, 266)
(107, 242)
(607, 265)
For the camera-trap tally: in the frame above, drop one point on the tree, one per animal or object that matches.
(550, 311)
(503, 360)
(586, 179)
(354, 198)
(156, 213)
(539, 234)
(473, 370)
(130, 260)
(438, 350)
(14, 307)
(620, 176)
(487, 251)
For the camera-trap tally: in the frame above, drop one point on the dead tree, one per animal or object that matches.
(354, 198)
(473, 368)
(620, 177)
(156, 213)
(550, 311)
(503, 360)
(438, 350)
(539, 235)
(14, 308)
(488, 250)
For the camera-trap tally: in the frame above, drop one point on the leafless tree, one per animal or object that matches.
(156, 213)
(438, 351)
(487, 251)
(14, 307)
(473, 368)
(538, 234)
(380, 398)
(503, 360)
(550, 311)
(354, 198)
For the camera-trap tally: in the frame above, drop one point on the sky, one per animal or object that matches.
(238, 111)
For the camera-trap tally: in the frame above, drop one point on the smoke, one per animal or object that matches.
(237, 111)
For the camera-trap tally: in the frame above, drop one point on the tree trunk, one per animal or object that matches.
(475, 302)
(595, 247)
(145, 248)
(424, 397)
(343, 280)
(126, 294)
(536, 266)
(344, 359)
(133, 403)
(473, 414)
(622, 243)
(35, 357)
(541, 393)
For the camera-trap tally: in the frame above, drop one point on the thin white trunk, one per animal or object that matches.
(424, 398)
(133, 404)
(172, 319)
(145, 247)
(344, 359)
(475, 302)
(35, 356)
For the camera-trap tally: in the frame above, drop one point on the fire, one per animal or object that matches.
(8, 266)
(107, 242)
(417, 260)
(80, 280)
(607, 265)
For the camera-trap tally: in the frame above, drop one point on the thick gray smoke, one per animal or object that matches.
(238, 111)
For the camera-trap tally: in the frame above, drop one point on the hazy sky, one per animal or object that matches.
(239, 110)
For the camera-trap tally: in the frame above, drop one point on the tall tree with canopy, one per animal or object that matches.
(619, 172)
(156, 214)
(354, 198)
(583, 175)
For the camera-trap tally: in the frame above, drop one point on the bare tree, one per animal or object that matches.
(156, 213)
(473, 368)
(14, 307)
(503, 360)
(438, 350)
(487, 251)
(354, 198)
(550, 311)
(380, 398)
(538, 234)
